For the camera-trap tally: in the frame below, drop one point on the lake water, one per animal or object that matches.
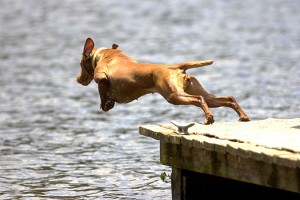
(56, 143)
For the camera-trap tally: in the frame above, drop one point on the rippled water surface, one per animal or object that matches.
(56, 143)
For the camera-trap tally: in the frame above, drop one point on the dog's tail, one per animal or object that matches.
(188, 65)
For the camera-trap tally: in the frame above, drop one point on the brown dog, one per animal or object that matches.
(121, 79)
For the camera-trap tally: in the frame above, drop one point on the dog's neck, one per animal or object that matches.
(95, 56)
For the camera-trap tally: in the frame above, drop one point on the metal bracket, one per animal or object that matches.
(183, 128)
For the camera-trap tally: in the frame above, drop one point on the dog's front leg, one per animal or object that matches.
(106, 102)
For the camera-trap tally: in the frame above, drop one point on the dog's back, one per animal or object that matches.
(129, 79)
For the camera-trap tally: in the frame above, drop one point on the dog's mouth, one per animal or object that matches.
(84, 79)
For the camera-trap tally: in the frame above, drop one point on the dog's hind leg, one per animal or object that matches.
(182, 98)
(195, 88)
(171, 87)
(228, 101)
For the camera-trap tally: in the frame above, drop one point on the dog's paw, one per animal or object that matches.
(109, 104)
(244, 119)
(209, 120)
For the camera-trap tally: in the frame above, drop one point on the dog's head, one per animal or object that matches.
(87, 72)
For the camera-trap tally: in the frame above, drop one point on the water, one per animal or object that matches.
(57, 144)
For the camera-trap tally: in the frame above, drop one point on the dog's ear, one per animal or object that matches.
(115, 46)
(88, 47)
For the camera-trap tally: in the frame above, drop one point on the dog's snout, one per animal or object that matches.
(84, 79)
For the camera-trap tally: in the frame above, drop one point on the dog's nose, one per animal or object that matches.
(79, 80)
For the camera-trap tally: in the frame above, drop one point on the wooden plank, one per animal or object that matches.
(188, 140)
(280, 134)
(155, 132)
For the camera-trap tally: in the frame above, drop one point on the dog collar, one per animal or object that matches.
(95, 55)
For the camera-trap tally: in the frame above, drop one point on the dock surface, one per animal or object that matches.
(264, 152)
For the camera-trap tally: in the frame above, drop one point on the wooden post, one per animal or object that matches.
(176, 183)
